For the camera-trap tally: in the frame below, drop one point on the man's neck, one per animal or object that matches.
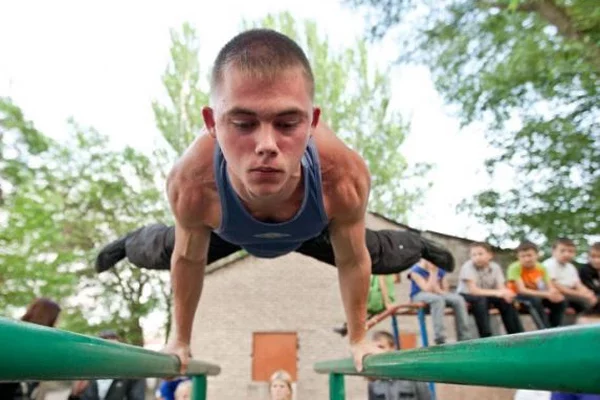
(287, 201)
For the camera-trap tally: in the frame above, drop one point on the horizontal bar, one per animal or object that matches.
(29, 351)
(560, 359)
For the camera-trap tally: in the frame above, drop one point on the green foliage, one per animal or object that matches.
(530, 70)
(354, 97)
(79, 195)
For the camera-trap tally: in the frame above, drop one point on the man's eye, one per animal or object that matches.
(286, 124)
(244, 125)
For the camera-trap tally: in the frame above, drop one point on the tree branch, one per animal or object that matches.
(556, 16)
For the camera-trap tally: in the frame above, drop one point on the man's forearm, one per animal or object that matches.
(534, 293)
(187, 280)
(354, 286)
(569, 291)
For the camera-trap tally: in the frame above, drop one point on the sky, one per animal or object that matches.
(101, 62)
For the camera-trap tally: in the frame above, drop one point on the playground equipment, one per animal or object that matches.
(562, 359)
(34, 352)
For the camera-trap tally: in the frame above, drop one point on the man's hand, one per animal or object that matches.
(182, 351)
(555, 296)
(362, 349)
(507, 294)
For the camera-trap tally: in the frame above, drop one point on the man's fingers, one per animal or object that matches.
(358, 359)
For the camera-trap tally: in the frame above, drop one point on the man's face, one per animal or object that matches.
(563, 253)
(527, 258)
(480, 256)
(384, 344)
(595, 259)
(262, 127)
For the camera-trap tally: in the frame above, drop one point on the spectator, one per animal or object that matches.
(381, 297)
(109, 389)
(167, 388)
(529, 280)
(565, 277)
(429, 285)
(388, 389)
(41, 311)
(482, 284)
(590, 274)
(184, 390)
(280, 386)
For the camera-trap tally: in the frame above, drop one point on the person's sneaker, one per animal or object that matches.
(111, 254)
(437, 255)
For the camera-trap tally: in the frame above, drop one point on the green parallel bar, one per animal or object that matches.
(199, 387)
(336, 387)
(33, 352)
(560, 359)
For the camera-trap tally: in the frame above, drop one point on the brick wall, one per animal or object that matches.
(293, 293)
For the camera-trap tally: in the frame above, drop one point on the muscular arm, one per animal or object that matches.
(188, 260)
(187, 276)
(354, 270)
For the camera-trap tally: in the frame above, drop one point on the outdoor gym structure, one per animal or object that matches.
(561, 359)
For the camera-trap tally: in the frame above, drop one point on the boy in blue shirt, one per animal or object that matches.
(429, 285)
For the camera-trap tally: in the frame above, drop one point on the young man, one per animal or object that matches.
(530, 281)
(429, 285)
(391, 251)
(388, 389)
(590, 274)
(482, 284)
(267, 177)
(565, 276)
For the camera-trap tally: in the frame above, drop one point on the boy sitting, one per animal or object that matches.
(565, 277)
(530, 281)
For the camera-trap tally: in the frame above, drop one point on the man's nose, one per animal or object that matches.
(266, 142)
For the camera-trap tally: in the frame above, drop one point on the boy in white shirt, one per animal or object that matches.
(565, 276)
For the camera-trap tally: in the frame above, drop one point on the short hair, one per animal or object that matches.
(526, 245)
(384, 335)
(281, 375)
(564, 241)
(483, 245)
(42, 311)
(595, 247)
(262, 53)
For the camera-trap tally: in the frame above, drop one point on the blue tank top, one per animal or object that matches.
(270, 240)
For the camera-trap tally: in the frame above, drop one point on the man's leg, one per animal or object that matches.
(510, 316)
(391, 251)
(480, 311)
(151, 247)
(436, 305)
(461, 316)
(557, 312)
(536, 310)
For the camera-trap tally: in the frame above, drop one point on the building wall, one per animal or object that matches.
(294, 293)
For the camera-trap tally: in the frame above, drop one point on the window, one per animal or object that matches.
(272, 351)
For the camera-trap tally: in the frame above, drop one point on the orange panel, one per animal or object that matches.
(272, 351)
(408, 341)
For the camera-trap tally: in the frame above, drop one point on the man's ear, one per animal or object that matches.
(208, 115)
(315, 117)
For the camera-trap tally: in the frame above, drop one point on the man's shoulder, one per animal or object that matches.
(344, 174)
(191, 186)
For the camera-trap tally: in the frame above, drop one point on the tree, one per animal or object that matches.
(355, 99)
(76, 196)
(530, 70)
